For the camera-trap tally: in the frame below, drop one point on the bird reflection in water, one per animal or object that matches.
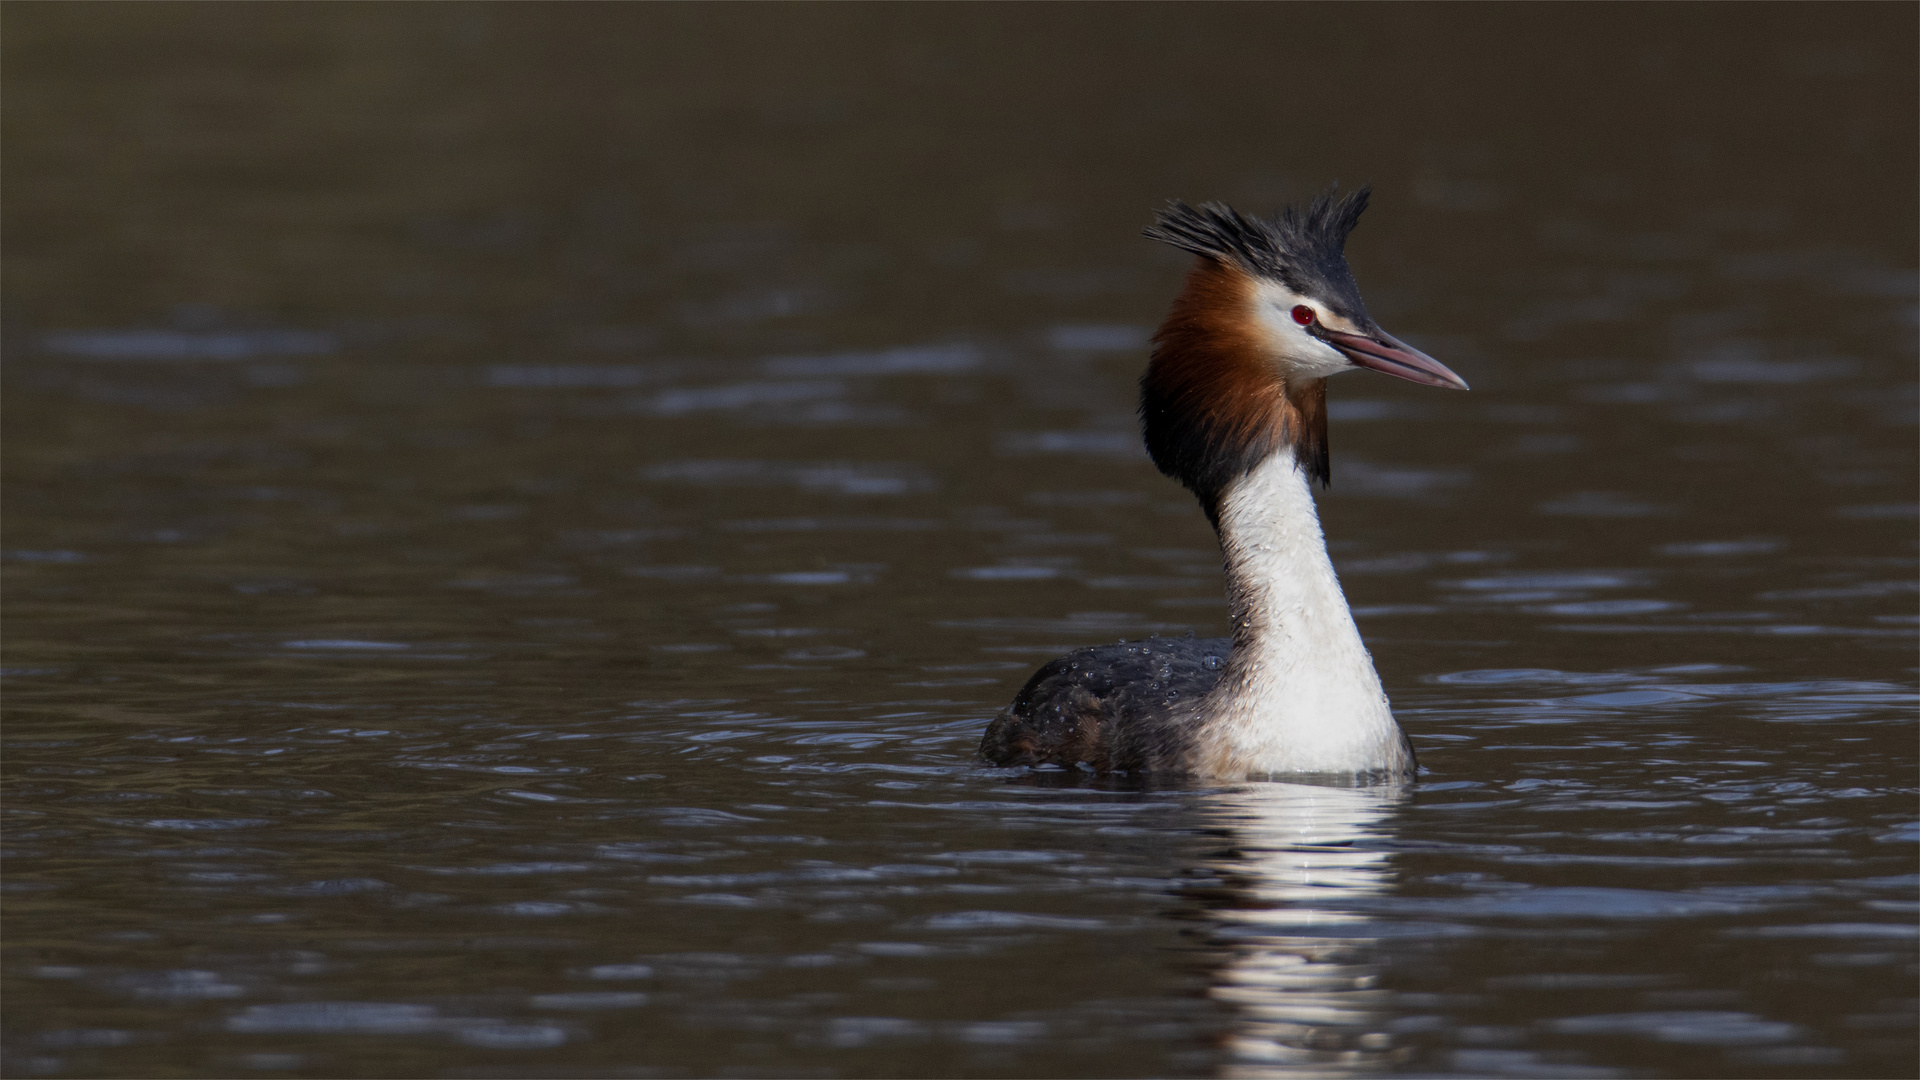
(1297, 952)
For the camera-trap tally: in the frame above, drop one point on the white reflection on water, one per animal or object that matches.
(1299, 969)
(166, 345)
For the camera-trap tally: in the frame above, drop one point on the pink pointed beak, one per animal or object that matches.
(1382, 351)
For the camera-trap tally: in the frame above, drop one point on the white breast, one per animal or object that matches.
(1299, 694)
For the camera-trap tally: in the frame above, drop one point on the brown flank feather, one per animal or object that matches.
(1212, 405)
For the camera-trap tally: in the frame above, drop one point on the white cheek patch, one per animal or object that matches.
(1294, 350)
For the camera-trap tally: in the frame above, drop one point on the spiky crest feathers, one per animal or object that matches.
(1305, 250)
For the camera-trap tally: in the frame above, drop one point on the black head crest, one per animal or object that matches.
(1305, 250)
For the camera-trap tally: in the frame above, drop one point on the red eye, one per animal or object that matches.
(1303, 315)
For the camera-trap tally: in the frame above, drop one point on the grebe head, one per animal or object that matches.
(1239, 369)
(1297, 299)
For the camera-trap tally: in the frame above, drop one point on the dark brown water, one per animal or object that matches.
(518, 516)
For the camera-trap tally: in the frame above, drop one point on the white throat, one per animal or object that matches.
(1299, 694)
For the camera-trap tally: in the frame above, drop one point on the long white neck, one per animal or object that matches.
(1299, 693)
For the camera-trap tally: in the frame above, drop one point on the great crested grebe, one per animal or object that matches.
(1234, 406)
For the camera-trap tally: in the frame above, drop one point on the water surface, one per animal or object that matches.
(516, 520)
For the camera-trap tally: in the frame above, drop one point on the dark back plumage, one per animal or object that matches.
(1305, 250)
